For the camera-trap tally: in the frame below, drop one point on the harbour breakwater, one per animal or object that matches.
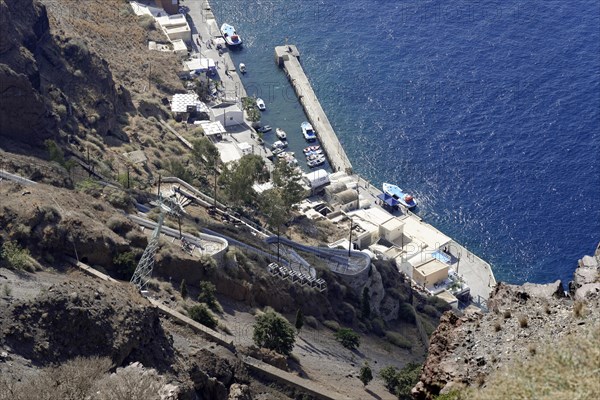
(287, 57)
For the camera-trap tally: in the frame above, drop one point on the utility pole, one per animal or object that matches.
(350, 239)
(215, 195)
(159, 180)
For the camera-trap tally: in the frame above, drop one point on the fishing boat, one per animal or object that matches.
(260, 103)
(308, 132)
(264, 129)
(405, 199)
(242, 68)
(311, 149)
(316, 163)
(230, 35)
(281, 134)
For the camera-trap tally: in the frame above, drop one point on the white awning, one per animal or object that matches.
(211, 128)
(181, 101)
(200, 64)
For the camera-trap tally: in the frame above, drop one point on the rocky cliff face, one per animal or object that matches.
(464, 350)
(25, 114)
(50, 82)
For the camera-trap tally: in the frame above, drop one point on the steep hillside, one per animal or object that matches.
(81, 74)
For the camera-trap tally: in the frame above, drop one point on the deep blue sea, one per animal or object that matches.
(487, 111)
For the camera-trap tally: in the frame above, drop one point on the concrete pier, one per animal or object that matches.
(287, 57)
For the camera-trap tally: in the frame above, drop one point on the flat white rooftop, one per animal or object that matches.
(423, 232)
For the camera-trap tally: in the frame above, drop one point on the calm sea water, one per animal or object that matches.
(488, 112)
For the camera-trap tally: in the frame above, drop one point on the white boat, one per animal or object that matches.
(316, 163)
(242, 68)
(279, 145)
(260, 103)
(230, 35)
(308, 132)
(281, 134)
(311, 149)
(403, 198)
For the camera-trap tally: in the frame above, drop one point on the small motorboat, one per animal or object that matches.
(260, 103)
(281, 134)
(242, 68)
(316, 163)
(286, 154)
(312, 157)
(313, 153)
(278, 151)
(264, 129)
(308, 132)
(403, 198)
(311, 149)
(279, 145)
(230, 35)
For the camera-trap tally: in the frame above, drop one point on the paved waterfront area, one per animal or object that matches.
(205, 30)
(288, 58)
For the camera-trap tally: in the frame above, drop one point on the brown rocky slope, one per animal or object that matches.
(466, 350)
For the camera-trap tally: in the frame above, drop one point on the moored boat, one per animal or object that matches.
(279, 145)
(308, 132)
(311, 149)
(264, 129)
(242, 68)
(230, 35)
(281, 134)
(403, 198)
(316, 163)
(260, 103)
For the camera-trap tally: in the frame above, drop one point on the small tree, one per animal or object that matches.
(200, 313)
(366, 375)
(348, 338)
(407, 379)
(183, 289)
(274, 332)
(365, 304)
(299, 320)
(390, 378)
(207, 295)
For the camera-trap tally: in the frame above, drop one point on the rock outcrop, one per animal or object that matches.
(465, 349)
(77, 319)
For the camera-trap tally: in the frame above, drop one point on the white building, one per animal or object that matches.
(230, 115)
(175, 27)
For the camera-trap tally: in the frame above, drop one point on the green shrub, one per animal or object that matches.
(207, 295)
(201, 314)
(311, 321)
(398, 339)
(348, 338)
(15, 257)
(406, 312)
(125, 264)
(389, 375)
(430, 310)
(378, 326)
(333, 325)
(274, 332)
(407, 379)
(147, 22)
